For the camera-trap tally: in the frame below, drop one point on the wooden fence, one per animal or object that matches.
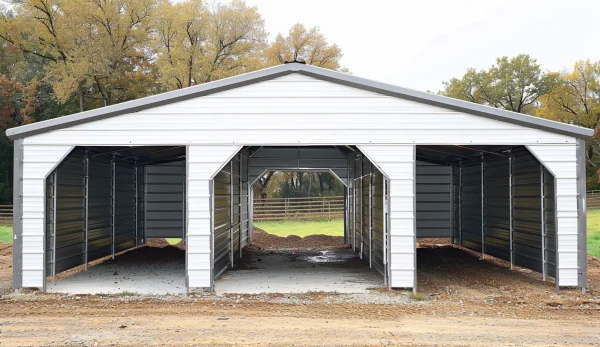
(6, 213)
(278, 209)
(593, 199)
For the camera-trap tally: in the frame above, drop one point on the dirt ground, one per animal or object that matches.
(463, 301)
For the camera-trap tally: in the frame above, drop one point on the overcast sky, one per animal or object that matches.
(418, 44)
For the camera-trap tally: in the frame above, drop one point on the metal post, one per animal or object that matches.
(451, 204)
(240, 204)
(183, 206)
(113, 202)
(354, 214)
(385, 231)
(543, 222)
(136, 203)
(145, 203)
(231, 219)
(510, 209)
(460, 170)
(482, 210)
(370, 215)
(54, 200)
(86, 211)
(362, 203)
(212, 233)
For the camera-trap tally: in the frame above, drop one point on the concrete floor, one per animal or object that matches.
(161, 271)
(111, 277)
(298, 272)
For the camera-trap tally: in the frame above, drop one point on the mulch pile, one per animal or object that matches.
(264, 240)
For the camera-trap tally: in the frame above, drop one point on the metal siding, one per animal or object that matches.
(141, 202)
(244, 206)
(471, 206)
(456, 201)
(366, 210)
(497, 207)
(222, 220)
(398, 164)
(99, 208)
(433, 199)
(236, 203)
(125, 205)
(267, 113)
(358, 204)
(378, 234)
(527, 231)
(550, 222)
(165, 194)
(203, 163)
(561, 161)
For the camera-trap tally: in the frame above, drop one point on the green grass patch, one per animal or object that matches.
(125, 293)
(334, 227)
(6, 233)
(593, 232)
(173, 241)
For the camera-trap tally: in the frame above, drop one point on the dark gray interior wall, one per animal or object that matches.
(433, 184)
(366, 210)
(377, 216)
(357, 228)
(471, 222)
(99, 207)
(124, 206)
(222, 221)
(165, 196)
(550, 223)
(496, 206)
(244, 202)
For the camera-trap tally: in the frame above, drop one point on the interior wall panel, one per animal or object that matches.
(497, 206)
(125, 205)
(366, 210)
(471, 222)
(165, 194)
(433, 199)
(222, 220)
(377, 220)
(99, 207)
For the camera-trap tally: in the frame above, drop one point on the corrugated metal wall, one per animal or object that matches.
(496, 206)
(99, 207)
(433, 199)
(471, 222)
(377, 221)
(124, 206)
(165, 194)
(358, 201)
(244, 199)
(366, 210)
(222, 221)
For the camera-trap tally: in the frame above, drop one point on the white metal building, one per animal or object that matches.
(180, 164)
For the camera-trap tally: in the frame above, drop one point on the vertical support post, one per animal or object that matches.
(54, 200)
(86, 211)
(510, 208)
(18, 218)
(388, 236)
(136, 202)
(241, 197)
(385, 232)
(370, 215)
(145, 203)
(543, 221)
(250, 212)
(354, 214)
(112, 204)
(212, 233)
(231, 219)
(362, 204)
(460, 175)
(183, 206)
(451, 204)
(582, 276)
(482, 209)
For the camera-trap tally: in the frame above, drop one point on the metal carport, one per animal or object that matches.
(388, 125)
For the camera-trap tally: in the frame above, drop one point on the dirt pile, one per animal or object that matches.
(264, 240)
(5, 268)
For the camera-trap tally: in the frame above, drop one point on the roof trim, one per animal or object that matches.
(308, 70)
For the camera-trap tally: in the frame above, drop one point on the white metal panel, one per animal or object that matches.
(398, 164)
(267, 113)
(561, 160)
(203, 163)
(38, 162)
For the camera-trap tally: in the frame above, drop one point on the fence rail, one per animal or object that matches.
(278, 209)
(6, 213)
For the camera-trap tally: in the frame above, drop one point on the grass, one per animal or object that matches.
(172, 241)
(303, 228)
(593, 232)
(6, 233)
(418, 297)
(125, 293)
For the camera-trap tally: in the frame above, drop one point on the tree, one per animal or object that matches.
(514, 84)
(308, 44)
(575, 99)
(196, 44)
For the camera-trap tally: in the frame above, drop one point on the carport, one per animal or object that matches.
(414, 164)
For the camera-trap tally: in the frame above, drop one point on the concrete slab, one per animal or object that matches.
(338, 270)
(132, 272)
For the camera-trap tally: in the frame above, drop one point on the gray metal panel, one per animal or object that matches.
(99, 208)
(527, 234)
(471, 206)
(455, 204)
(70, 212)
(17, 214)
(125, 205)
(582, 277)
(358, 204)
(433, 199)
(165, 203)
(366, 209)
(222, 221)
(312, 71)
(244, 206)
(497, 207)
(377, 221)
(141, 189)
(236, 190)
(550, 223)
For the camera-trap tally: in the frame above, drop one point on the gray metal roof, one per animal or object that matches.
(308, 70)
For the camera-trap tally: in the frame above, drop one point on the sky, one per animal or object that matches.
(420, 43)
